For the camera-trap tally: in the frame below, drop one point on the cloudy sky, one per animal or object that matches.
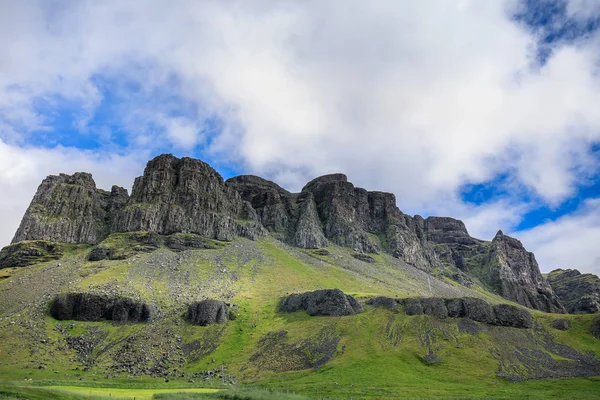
(488, 111)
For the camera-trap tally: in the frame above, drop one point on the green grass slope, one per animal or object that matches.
(375, 354)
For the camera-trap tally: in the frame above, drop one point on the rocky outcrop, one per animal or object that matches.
(187, 195)
(27, 253)
(273, 204)
(468, 307)
(92, 307)
(561, 324)
(509, 315)
(308, 232)
(69, 208)
(330, 302)
(207, 312)
(382, 301)
(513, 273)
(579, 293)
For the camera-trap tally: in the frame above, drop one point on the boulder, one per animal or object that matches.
(561, 324)
(509, 315)
(93, 307)
(330, 302)
(208, 312)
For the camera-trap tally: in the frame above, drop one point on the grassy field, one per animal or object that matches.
(265, 354)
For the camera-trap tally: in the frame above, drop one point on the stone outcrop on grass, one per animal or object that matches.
(330, 302)
(93, 307)
(467, 307)
(208, 312)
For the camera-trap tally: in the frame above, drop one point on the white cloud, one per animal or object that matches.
(417, 98)
(570, 242)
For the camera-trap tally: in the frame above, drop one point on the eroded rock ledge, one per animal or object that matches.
(466, 307)
(93, 307)
(30, 252)
(330, 302)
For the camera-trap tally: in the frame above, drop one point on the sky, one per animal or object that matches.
(486, 111)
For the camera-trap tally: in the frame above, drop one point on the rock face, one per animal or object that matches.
(579, 293)
(69, 208)
(27, 253)
(513, 272)
(207, 312)
(91, 307)
(331, 302)
(186, 195)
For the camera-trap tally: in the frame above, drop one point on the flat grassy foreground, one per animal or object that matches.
(580, 388)
(20, 391)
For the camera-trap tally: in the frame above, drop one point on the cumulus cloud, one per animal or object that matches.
(417, 98)
(569, 242)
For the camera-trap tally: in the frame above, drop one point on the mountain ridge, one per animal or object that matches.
(186, 195)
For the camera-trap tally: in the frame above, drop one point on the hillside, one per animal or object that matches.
(139, 263)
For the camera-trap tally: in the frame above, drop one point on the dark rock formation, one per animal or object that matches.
(561, 324)
(208, 312)
(596, 327)
(186, 195)
(92, 307)
(29, 252)
(382, 301)
(69, 208)
(309, 232)
(413, 306)
(332, 302)
(273, 204)
(99, 253)
(579, 293)
(455, 307)
(434, 306)
(514, 274)
(509, 315)
(468, 307)
(478, 310)
(183, 241)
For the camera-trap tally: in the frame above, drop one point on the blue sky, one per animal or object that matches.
(485, 111)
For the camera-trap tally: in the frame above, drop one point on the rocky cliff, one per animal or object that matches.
(580, 293)
(187, 196)
(69, 208)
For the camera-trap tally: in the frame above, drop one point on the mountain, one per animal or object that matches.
(188, 196)
(196, 278)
